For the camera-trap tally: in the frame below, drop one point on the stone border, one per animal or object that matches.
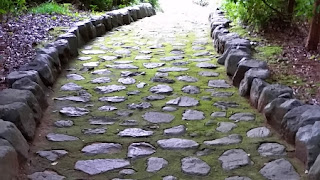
(23, 104)
(295, 121)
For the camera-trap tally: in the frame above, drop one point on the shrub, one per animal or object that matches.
(12, 6)
(51, 8)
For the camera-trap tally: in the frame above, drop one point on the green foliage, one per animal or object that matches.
(260, 14)
(154, 3)
(12, 6)
(51, 8)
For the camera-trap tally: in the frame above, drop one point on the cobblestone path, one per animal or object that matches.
(148, 101)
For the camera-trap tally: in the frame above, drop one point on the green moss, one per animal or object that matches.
(236, 28)
(268, 53)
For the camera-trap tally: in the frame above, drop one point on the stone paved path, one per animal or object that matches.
(148, 101)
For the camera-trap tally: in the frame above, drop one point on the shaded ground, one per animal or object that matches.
(201, 85)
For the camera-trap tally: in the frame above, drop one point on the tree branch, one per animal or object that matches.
(275, 10)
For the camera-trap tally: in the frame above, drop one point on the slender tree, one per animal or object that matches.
(314, 32)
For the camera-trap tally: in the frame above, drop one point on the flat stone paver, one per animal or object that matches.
(148, 100)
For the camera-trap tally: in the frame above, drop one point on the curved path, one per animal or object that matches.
(148, 101)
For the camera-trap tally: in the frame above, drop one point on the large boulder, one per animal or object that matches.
(21, 115)
(237, 42)
(257, 86)
(37, 91)
(246, 82)
(244, 66)
(83, 31)
(118, 19)
(314, 172)
(10, 132)
(63, 48)
(91, 29)
(222, 58)
(72, 41)
(308, 143)
(107, 22)
(271, 92)
(32, 75)
(133, 13)
(75, 30)
(125, 16)
(216, 32)
(232, 60)
(296, 118)
(223, 38)
(9, 164)
(8, 96)
(54, 54)
(277, 108)
(101, 30)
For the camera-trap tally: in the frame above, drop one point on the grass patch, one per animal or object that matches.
(235, 27)
(51, 8)
(268, 53)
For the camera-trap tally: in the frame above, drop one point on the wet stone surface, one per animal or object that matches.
(149, 101)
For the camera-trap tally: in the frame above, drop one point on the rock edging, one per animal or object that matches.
(297, 122)
(22, 105)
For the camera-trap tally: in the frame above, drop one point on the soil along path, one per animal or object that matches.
(148, 101)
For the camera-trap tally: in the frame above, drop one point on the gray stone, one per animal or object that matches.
(163, 80)
(70, 87)
(183, 101)
(127, 81)
(21, 115)
(124, 52)
(101, 72)
(180, 63)
(244, 66)
(172, 69)
(232, 60)
(32, 75)
(98, 166)
(123, 66)
(246, 82)
(171, 58)
(169, 109)
(259, 132)
(75, 77)
(153, 65)
(108, 58)
(101, 80)
(144, 57)
(122, 62)
(82, 96)
(177, 143)
(306, 144)
(8, 96)
(197, 48)
(92, 131)
(200, 59)
(142, 149)
(276, 109)
(187, 79)
(314, 172)
(158, 117)
(145, 52)
(91, 64)
(256, 88)
(192, 115)
(60, 137)
(203, 53)
(141, 85)
(156, 164)
(110, 88)
(208, 74)
(9, 163)
(206, 65)
(52, 155)
(10, 133)
(155, 97)
(129, 123)
(63, 123)
(271, 92)
(135, 92)
(127, 172)
(84, 58)
(237, 178)
(204, 152)
(271, 149)
(177, 130)
(74, 111)
(221, 94)
(93, 52)
(224, 105)
(102, 148)
(237, 42)
(218, 84)
(231, 139)
(46, 175)
(233, 159)
(161, 89)
(135, 132)
(225, 126)
(125, 113)
(143, 105)
(242, 117)
(194, 166)
(102, 121)
(218, 114)
(279, 169)
(191, 89)
(129, 73)
(169, 178)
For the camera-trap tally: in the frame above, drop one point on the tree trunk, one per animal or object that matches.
(314, 33)
(291, 4)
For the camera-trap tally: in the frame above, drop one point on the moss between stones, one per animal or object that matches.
(203, 132)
